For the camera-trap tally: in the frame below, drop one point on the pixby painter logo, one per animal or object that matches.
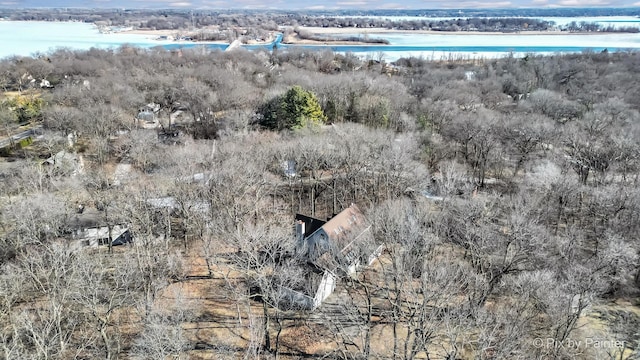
(572, 344)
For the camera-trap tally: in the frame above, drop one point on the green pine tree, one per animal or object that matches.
(296, 109)
(300, 108)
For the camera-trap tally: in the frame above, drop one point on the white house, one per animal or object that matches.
(332, 249)
(97, 236)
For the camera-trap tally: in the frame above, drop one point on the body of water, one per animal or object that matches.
(29, 38)
(437, 46)
(26, 38)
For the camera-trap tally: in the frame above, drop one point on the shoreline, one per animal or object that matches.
(156, 34)
(373, 31)
(293, 39)
(370, 31)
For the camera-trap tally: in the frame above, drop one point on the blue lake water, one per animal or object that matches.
(28, 38)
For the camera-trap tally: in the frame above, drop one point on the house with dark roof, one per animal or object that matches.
(100, 235)
(88, 228)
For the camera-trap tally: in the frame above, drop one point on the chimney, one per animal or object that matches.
(300, 230)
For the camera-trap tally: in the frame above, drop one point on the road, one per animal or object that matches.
(6, 142)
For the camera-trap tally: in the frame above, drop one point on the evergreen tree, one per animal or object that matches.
(296, 109)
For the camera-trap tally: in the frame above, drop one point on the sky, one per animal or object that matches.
(317, 5)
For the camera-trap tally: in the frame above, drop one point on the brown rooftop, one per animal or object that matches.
(340, 226)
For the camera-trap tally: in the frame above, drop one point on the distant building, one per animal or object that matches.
(88, 228)
(65, 162)
(171, 204)
(289, 168)
(97, 236)
(147, 116)
(45, 84)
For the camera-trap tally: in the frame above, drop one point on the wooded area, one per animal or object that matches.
(505, 193)
(262, 22)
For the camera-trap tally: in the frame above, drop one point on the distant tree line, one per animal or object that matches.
(272, 20)
(584, 26)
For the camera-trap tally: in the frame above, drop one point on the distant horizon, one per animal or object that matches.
(6, 7)
(329, 5)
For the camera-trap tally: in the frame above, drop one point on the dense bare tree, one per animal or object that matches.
(475, 133)
(162, 335)
(49, 272)
(263, 255)
(105, 287)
